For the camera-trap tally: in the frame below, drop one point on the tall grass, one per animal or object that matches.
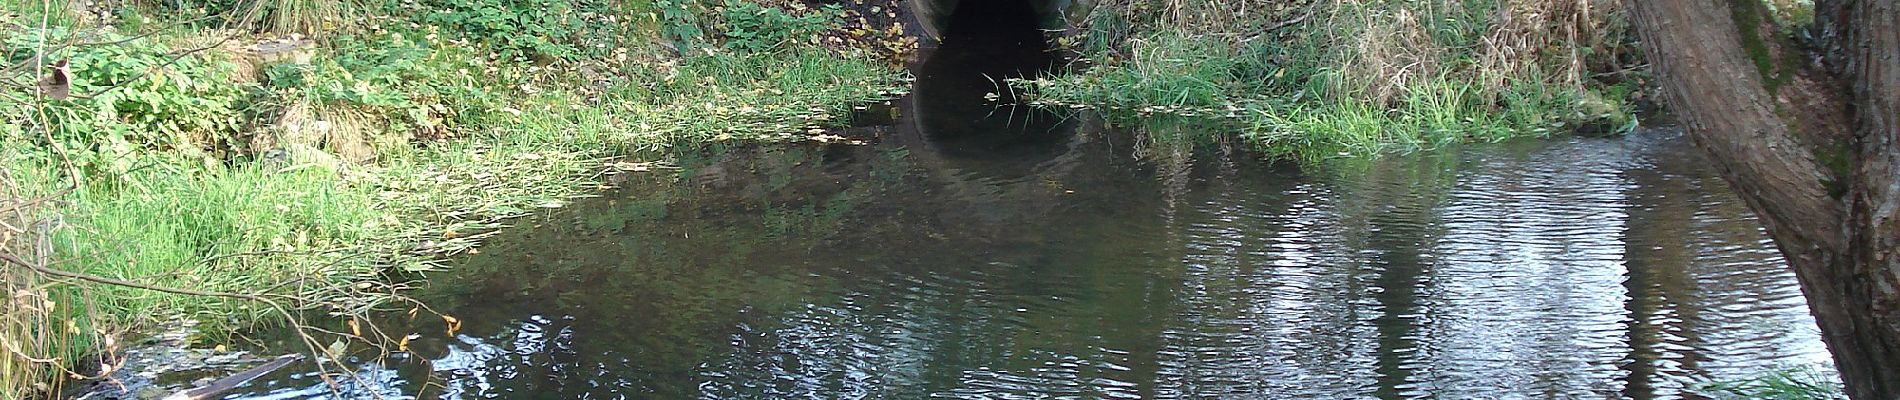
(1326, 77)
(303, 17)
(31, 326)
(469, 153)
(1798, 383)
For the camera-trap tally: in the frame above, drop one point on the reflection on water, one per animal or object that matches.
(1005, 253)
(1584, 268)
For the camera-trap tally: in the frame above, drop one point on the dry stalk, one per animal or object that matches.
(27, 308)
(1384, 52)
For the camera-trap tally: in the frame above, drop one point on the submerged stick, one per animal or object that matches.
(233, 381)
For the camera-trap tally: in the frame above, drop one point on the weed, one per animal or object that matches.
(317, 18)
(1799, 383)
(197, 176)
(34, 315)
(1351, 77)
(680, 24)
(752, 28)
(529, 29)
(137, 95)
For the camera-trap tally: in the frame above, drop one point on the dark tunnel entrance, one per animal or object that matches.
(935, 15)
(993, 22)
(962, 104)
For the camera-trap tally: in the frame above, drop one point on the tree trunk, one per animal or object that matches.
(1813, 150)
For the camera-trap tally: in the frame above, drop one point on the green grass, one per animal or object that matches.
(1352, 79)
(1300, 123)
(1799, 383)
(303, 17)
(463, 142)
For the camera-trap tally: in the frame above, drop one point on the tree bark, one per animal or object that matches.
(1812, 143)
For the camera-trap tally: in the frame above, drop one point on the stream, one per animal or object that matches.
(971, 250)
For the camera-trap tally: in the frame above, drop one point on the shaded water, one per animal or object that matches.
(982, 252)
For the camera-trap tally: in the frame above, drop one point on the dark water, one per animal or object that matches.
(983, 252)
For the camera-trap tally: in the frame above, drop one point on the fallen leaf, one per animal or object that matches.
(454, 325)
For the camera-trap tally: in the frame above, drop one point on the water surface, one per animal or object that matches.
(972, 251)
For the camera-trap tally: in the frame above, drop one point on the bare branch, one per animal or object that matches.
(9, 258)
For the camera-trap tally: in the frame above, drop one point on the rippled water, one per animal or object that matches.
(1582, 268)
(980, 252)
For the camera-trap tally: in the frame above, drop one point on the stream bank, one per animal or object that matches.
(259, 177)
(976, 248)
(188, 181)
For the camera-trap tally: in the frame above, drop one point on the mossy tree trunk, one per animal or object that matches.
(1810, 138)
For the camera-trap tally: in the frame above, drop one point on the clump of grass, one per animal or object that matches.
(316, 18)
(461, 142)
(31, 325)
(1380, 53)
(241, 230)
(1164, 70)
(1799, 383)
(1353, 77)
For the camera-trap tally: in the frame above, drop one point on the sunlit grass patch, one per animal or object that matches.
(300, 221)
(1327, 79)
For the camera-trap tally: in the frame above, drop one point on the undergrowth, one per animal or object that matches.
(1799, 383)
(1327, 77)
(177, 154)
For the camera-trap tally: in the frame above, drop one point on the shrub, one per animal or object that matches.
(396, 86)
(526, 29)
(679, 23)
(753, 28)
(132, 94)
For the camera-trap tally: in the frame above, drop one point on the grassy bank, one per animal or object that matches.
(288, 151)
(1320, 78)
(1797, 383)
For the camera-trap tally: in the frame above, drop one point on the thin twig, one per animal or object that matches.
(23, 205)
(1310, 9)
(9, 258)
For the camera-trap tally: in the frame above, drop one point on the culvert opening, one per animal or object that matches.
(993, 39)
(963, 102)
(935, 16)
(992, 22)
